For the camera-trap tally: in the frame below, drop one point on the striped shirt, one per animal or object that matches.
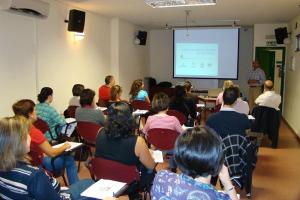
(259, 75)
(28, 182)
(51, 116)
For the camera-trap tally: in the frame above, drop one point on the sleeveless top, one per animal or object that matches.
(120, 150)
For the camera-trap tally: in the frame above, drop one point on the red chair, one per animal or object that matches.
(87, 132)
(101, 168)
(43, 126)
(162, 139)
(72, 110)
(180, 116)
(141, 105)
(36, 161)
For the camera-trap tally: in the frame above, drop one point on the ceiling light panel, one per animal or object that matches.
(178, 3)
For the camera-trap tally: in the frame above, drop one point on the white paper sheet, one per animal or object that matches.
(73, 145)
(157, 155)
(103, 188)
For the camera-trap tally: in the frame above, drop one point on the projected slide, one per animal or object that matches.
(196, 59)
(208, 53)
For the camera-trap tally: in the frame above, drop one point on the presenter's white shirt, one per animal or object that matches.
(269, 99)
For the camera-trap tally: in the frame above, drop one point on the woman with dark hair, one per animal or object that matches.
(19, 180)
(88, 111)
(39, 144)
(184, 104)
(137, 91)
(47, 113)
(160, 105)
(116, 141)
(199, 156)
(76, 91)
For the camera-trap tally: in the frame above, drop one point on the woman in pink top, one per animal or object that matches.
(226, 84)
(160, 105)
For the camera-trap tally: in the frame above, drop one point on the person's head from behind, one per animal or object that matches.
(136, 86)
(268, 86)
(109, 80)
(188, 86)
(180, 91)
(230, 95)
(237, 87)
(119, 123)
(198, 152)
(160, 102)
(87, 98)
(115, 93)
(14, 141)
(227, 84)
(25, 108)
(77, 89)
(46, 95)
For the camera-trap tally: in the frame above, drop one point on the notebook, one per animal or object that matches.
(104, 188)
(74, 145)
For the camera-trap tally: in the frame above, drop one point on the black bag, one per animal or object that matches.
(85, 151)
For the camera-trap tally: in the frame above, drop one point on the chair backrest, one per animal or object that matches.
(41, 125)
(72, 110)
(141, 105)
(88, 131)
(108, 169)
(102, 103)
(180, 116)
(162, 139)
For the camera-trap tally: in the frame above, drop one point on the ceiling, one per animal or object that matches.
(246, 12)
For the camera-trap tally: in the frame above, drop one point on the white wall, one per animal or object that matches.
(133, 59)
(35, 53)
(292, 81)
(263, 30)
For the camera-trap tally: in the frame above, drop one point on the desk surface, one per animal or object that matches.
(207, 98)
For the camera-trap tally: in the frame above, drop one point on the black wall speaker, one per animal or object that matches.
(281, 34)
(76, 21)
(142, 36)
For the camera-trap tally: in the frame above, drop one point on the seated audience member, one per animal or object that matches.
(188, 87)
(137, 91)
(184, 104)
(160, 104)
(47, 113)
(199, 156)
(228, 121)
(226, 84)
(39, 144)
(115, 94)
(241, 106)
(117, 141)
(20, 180)
(87, 111)
(269, 98)
(76, 91)
(104, 90)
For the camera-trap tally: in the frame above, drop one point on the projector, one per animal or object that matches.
(179, 3)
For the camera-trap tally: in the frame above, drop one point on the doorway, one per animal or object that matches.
(272, 61)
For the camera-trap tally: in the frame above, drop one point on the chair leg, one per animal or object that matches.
(80, 154)
(65, 180)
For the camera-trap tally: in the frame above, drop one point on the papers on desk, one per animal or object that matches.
(74, 145)
(250, 117)
(139, 112)
(101, 108)
(157, 156)
(104, 188)
(185, 127)
(200, 105)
